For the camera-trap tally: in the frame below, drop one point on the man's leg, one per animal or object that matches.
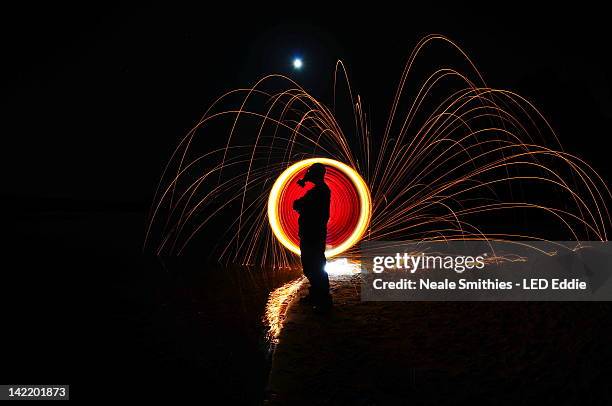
(321, 279)
(313, 264)
(309, 267)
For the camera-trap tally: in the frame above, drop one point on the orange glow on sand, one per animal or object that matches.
(278, 305)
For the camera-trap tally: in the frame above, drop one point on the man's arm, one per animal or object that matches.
(303, 201)
(298, 204)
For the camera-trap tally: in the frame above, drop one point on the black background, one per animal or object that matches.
(95, 98)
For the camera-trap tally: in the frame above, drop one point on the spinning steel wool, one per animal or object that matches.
(457, 159)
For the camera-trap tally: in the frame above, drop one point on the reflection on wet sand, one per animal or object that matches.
(280, 298)
(277, 306)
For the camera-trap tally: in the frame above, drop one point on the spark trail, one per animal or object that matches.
(457, 159)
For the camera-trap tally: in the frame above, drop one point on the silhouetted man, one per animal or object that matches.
(314, 214)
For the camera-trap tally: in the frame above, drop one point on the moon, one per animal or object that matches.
(298, 63)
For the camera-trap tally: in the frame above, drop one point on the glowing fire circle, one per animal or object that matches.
(350, 206)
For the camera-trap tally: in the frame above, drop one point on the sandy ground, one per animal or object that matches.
(370, 353)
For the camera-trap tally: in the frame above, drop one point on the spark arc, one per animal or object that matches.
(350, 207)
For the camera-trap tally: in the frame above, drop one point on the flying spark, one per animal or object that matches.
(456, 160)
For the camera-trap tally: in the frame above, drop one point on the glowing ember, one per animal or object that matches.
(277, 306)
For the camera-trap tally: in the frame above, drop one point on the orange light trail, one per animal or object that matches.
(365, 205)
(456, 160)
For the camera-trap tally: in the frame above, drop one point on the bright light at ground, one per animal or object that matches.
(297, 63)
(341, 266)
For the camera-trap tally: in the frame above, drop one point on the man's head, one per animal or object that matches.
(314, 174)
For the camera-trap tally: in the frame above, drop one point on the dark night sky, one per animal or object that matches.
(96, 98)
